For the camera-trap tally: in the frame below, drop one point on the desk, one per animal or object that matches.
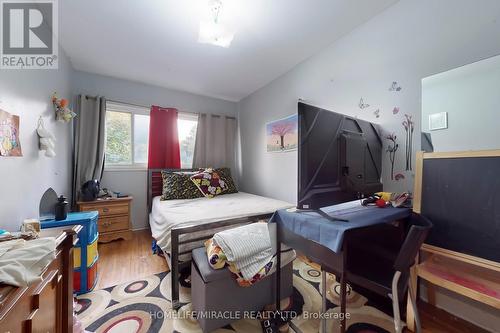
(323, 240)
(45, 305)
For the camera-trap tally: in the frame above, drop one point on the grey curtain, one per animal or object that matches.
(88, 141)
(215, 138)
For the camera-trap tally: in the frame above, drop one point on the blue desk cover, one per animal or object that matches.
(330, 234)
(72, 219)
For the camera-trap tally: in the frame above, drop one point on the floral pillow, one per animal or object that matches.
(209, 183)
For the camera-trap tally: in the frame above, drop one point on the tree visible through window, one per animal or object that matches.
(127, 135)
(118, 137)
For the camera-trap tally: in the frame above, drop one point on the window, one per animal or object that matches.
(127, 136)
(141, 138)
(118, 137)
(187, 123)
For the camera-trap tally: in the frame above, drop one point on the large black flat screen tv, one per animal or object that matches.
(340, 158)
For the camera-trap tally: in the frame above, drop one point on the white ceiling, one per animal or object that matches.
(156, 41)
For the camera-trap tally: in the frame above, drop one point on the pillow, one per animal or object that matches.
(178, 185)
(225, 174)
(209, 183)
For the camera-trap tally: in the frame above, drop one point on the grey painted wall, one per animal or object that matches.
(144, 94)
(469, 95)
(135, 181)
(407, 42)
(27, 93)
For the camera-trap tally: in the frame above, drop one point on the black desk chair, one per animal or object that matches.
(386, 271)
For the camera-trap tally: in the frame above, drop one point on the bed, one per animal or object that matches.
(179, 226)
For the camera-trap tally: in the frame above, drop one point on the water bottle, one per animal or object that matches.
(61, 208)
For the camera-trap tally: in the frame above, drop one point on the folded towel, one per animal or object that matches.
(247, 247)
(22, 262)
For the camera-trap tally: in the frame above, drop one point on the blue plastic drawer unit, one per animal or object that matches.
(85, 251)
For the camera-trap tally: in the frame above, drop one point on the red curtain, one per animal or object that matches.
(164, 151)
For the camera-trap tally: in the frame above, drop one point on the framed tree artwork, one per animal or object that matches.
(282, 134)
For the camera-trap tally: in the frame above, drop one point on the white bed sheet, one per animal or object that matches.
(168, 214)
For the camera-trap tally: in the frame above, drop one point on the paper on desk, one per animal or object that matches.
(344, 208)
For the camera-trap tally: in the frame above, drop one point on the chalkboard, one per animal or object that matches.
(461, 196)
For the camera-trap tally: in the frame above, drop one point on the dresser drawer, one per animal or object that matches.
(46, 305)
(106, 224)
(114, 217)
(108, 210)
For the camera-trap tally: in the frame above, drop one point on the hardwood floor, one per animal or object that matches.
(121, 261)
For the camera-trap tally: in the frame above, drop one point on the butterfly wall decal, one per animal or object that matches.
(395, 110)
(362, 105)
(395, 86)
(377, 113)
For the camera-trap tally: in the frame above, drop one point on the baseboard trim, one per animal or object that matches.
(140, 229)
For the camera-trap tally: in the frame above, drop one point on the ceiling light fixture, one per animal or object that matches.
(213, 30)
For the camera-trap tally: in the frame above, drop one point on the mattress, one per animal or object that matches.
(169, 214)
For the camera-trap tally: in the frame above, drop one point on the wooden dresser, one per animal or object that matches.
(45, 306)
(114, 217)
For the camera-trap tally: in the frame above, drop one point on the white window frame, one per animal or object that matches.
(132, 109)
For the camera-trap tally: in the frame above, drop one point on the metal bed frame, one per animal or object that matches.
(155, 187)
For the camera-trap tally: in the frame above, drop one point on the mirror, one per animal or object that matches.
(461, 108)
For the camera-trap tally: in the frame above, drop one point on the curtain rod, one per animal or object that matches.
(148, 107)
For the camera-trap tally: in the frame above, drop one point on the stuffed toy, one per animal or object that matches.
(47, 141)
(63, 112)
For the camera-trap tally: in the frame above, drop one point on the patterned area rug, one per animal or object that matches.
(144, 306)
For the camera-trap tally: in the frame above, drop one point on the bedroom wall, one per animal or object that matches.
(27, 93)
(469, 95)
(405, 43)
(135, 181)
